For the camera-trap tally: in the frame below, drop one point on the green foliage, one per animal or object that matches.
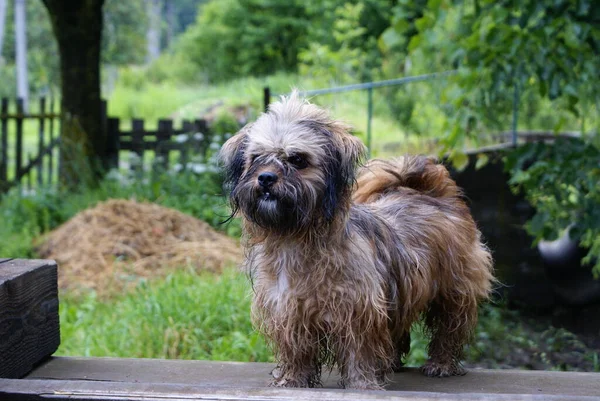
(543, 49)
(246, 37)
(561, 181)
(186, 316)
(124, 32)
(343, 59)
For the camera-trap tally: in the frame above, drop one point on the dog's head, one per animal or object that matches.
(292, 168)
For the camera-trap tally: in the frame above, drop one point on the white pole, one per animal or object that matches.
(153, 32)
(21, 50)
(2, 23)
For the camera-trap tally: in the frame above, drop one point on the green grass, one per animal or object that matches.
(185, 316)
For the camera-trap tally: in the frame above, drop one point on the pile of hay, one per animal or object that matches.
(113, 245)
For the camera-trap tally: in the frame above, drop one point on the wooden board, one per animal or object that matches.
(258, 375)
(154, 379)
(29, 323)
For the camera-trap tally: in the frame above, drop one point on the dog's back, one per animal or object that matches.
(420, 173)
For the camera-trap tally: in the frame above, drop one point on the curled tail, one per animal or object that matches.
(419, 173)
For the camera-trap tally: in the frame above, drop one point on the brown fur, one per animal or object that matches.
(339, 276)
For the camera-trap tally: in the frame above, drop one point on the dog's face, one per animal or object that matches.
(292, 168)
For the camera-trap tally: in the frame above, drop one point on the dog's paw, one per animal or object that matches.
(436, 369)
(293, 382)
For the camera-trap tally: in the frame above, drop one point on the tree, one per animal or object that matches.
(548, 49)
(233, 38)
(77, 28)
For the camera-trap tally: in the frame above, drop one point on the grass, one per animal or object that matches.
(186, 316)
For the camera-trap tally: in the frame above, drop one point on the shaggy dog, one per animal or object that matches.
(343, 263)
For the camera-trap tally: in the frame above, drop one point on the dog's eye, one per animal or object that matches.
(298, 161)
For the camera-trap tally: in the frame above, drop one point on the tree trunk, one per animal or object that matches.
(77, 26)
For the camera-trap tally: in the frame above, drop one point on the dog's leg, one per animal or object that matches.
(450, 323)
(298, 365)
(364, 358)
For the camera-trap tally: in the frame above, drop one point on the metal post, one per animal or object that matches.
(369, 118)
(515, 113)
(266, 98)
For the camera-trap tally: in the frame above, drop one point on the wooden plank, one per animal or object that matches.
(256, 375)
(29, 323)
(19, 390)
(2, 260)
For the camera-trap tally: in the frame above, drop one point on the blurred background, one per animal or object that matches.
(112, 113)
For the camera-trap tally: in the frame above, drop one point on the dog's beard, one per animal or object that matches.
(285, 208)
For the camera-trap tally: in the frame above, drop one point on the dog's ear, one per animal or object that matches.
(232, 156)
(346, 153)
(352, 150)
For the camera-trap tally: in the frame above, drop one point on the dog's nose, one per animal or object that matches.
(267, 179)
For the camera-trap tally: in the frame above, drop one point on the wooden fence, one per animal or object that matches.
(194, 137)
(37, 163)
(17, 164)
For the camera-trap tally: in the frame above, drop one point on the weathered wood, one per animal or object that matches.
(29, 390)
(29, 323)
(172, 379)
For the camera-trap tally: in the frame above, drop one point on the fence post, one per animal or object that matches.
(113, 145)
(51, 140)
(111, 131)
(3, 144)
(266, 98)
(515, 114)
(369, 118)
(41, 133)
(163, 136)
(19, 142)
(187, 127)
(137, 144)
(202, 128)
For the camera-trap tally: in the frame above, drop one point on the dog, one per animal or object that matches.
(344, 260)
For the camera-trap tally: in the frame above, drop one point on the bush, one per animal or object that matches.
(561, 181)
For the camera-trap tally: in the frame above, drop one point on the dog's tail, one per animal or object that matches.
(420, 173)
